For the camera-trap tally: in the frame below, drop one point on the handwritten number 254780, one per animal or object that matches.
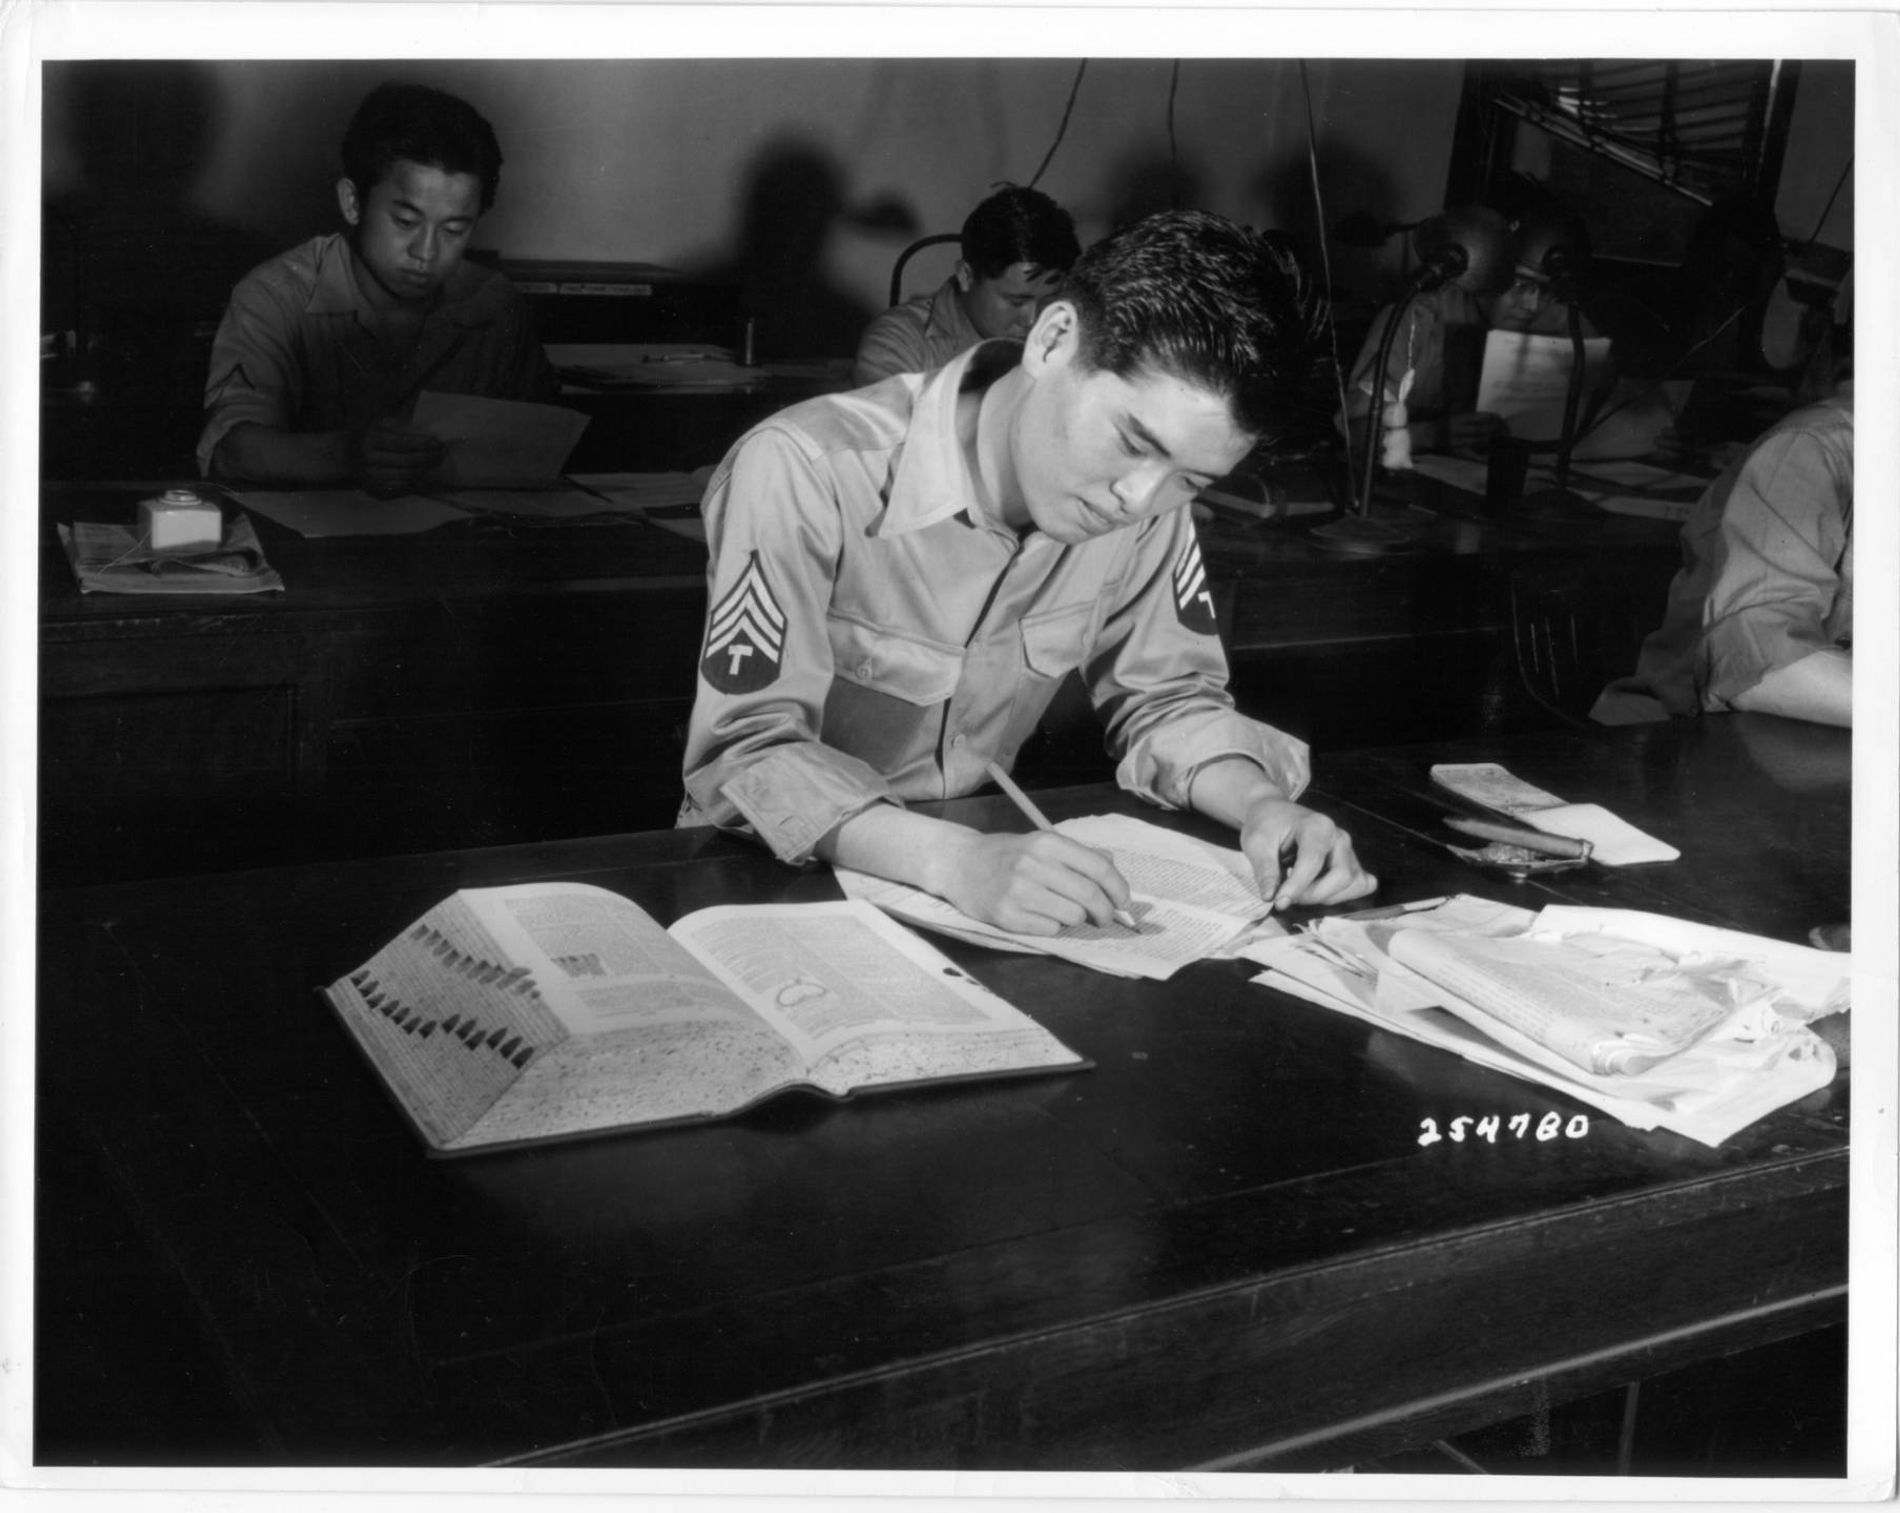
(1519, 1125)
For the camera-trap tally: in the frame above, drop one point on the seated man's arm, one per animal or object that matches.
(1158, 676)
(252, 453)
(1298, 855)
(387, 459)
(252, 396)
(1770, 622)
(1820, 687)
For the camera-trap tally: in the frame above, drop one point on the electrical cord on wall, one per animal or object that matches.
(1063, 128)
(1325, 263)
(1174, 162)
(1828, 209)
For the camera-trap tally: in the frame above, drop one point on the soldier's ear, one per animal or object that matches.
(1053, 339)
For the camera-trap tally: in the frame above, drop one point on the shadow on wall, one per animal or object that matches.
(1349, 182)
(1145, 185)
(133, 277)
(793, 203)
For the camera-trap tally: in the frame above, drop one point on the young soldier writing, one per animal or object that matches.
(902, 576)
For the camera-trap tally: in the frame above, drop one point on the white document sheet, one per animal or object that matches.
(1191, 900)
(497, 443)
(1524, 379)
(1614, 841)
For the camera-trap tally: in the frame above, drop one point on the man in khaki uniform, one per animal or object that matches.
(1016, 246)
(901, 577)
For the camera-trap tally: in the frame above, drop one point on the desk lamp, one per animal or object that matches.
(1468, 246)
(1557, 251)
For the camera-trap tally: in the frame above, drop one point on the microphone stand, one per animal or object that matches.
(1358, 531)
(1559, 500)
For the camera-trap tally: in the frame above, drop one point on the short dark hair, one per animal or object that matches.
(1200, 298)
(1017, 225)
(423, 125)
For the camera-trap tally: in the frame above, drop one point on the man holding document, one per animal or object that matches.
(1479, 354)
(324, 349)
(902, 577)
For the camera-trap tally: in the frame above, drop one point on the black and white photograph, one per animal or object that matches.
(1036, 756)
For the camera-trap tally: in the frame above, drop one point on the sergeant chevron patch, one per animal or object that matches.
(745, 635)
(1193, 595)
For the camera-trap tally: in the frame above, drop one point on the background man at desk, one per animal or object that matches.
(324, 348)
(902, 577)
(1442, 344)
(1015, 247)
(1761, 616)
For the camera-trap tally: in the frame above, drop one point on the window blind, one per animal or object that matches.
(1697, 127)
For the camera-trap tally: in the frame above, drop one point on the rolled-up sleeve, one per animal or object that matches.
(1783, 535)
(255, 376)
(1158, 675)
(754, 757)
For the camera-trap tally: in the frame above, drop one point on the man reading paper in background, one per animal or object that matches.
(324, 349)
(902, 577)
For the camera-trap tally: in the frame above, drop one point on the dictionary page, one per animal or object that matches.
(863, 1000)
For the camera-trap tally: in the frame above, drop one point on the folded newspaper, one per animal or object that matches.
(114, 559)
(1659, 1022)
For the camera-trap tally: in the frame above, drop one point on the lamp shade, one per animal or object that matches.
(1552, 246)
(1469, 244)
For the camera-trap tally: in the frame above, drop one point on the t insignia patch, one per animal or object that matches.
(1193, 597)
(745, 635)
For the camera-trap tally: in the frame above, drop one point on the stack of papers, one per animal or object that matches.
(1658, 1022)
(1192, 900)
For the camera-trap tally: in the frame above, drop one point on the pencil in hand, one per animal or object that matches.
(1041, 821)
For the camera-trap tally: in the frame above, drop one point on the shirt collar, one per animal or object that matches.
(335, 291)
(933, 480)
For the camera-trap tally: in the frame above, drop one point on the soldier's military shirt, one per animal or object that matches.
(872, 636)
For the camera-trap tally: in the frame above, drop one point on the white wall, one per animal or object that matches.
(648, 161)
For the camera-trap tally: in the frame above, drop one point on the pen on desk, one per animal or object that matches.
(1041, 821)
(1513, 835)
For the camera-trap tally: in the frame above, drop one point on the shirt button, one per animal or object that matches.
(957, 740)
(864, 669)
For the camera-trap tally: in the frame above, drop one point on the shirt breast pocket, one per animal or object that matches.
(899, 667)
(886, 694)
(1055, 643)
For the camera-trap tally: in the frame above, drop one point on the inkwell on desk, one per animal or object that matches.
(1469, 246)
(187, 540)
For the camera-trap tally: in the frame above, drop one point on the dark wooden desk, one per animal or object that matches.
(482, 682)
(486, 684)
(1221, 1248)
